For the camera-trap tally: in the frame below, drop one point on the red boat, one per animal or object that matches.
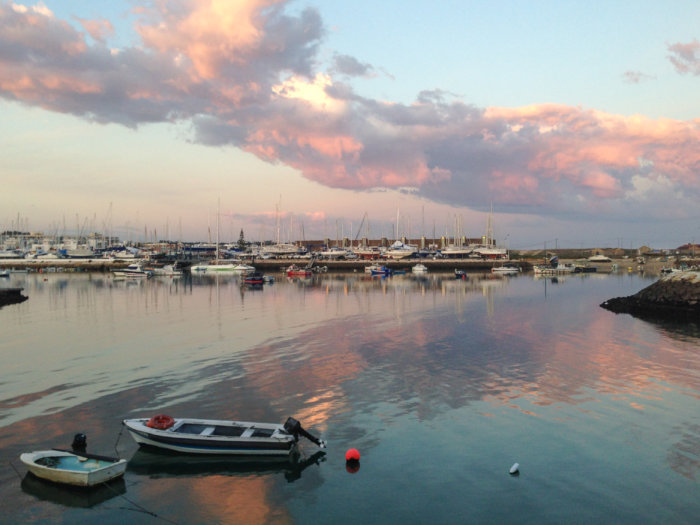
(295, 271)
(252, 279)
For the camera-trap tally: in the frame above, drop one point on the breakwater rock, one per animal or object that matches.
(674, 295)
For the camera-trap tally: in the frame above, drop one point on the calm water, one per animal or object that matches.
(440, 384)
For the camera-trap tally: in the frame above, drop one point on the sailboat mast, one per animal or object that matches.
(397, 223)
(218, 211)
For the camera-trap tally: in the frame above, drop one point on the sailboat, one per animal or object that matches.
(400, 250)
(281, 249)
(488, 248)
(217, 266)
(457, 250)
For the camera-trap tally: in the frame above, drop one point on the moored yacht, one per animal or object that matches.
(133, 271)
(554, 267)
(222, 266)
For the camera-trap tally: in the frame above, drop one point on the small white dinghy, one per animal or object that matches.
(73, 468)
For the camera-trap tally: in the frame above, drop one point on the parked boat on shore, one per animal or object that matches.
(400, 250)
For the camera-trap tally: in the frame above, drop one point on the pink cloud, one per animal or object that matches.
(514, 188)
(99, 30)
(211, 34)
(245, 75)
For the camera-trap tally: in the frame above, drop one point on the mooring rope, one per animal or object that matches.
(118, 438)
(15, 469)
(135, 507)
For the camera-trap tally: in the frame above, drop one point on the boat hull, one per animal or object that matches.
(199, 436)
(505, 270)
(72, 469)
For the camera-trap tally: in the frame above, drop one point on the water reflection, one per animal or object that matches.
(72, 496)
(157, 464)
(365, 362)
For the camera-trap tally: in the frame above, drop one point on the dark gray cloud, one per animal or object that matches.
(636, 77)
(350, 66)
(685, 57)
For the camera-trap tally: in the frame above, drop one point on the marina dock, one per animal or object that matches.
(265, 265)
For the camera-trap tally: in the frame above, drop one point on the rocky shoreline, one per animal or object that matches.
(675, 295)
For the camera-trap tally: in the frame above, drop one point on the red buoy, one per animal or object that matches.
(352, 455)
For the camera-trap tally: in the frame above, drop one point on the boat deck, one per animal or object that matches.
(222, 430)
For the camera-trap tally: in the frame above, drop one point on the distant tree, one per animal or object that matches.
(241, 241)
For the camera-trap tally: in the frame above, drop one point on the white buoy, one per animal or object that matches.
(515, 468)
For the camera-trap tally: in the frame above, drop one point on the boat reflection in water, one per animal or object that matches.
(70, 496)
(160, 463)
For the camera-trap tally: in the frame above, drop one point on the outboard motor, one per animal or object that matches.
(79, 442)
(294, 428)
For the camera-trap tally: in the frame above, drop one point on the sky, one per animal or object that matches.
(577, 123)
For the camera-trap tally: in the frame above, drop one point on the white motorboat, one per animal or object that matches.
(419, 268)
(134, 271)
(222, 267)
(168, 270)
(505, 270)
(73, 468)
(208, 436)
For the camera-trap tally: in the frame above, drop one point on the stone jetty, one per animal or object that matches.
(674, 295)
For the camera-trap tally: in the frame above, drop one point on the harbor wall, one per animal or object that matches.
(674, 295)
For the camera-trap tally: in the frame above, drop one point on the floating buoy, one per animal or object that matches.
(352, 460)
(515, 469)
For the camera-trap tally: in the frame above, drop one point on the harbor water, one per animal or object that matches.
(441, 384)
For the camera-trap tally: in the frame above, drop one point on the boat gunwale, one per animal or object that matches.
(279, 439)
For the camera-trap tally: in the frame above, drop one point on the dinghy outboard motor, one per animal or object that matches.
(294, 428)
(79, 442)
